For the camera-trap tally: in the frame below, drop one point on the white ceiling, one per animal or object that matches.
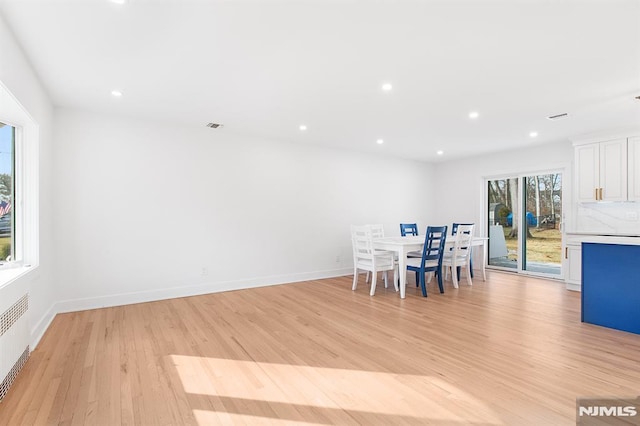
(265, 67)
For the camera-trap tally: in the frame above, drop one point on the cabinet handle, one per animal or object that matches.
(596, 194)
(566, 252)
(601, 197)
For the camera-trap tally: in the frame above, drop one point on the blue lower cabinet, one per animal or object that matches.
(611, 286)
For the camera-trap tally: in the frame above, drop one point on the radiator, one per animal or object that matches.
(14, 342)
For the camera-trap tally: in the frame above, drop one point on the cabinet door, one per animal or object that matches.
(574, 266)
(613, 170)
(634, 168)
(587, 171)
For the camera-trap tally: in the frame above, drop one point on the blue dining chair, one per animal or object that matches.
(454, 231)
(408, 229)
(431, 260)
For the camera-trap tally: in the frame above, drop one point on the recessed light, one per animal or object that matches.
(533, 134)
(303, 128)
(440, 152)
(387, 87)
(473, 115)
(379, 141)
(116, 93)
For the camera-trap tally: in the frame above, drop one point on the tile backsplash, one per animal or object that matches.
(608, 218)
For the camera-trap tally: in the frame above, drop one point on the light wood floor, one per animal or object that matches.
(511, 351)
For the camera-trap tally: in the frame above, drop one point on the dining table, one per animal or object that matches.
(403, 245)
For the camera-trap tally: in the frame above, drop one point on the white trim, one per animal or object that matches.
(574, 287)
(26, 176)
(43, 325)
(74, 305)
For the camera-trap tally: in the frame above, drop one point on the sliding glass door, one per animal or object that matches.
(542, 242)
(503, 202)
(524, 214)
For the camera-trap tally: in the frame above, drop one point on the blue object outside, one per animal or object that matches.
(531, 219)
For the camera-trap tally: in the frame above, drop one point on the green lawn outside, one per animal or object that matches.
(545, 245)
(5, 247)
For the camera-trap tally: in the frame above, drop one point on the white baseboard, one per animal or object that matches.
(74, 305)
(38, 331)
(574, 287)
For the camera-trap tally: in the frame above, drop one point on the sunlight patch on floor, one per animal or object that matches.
(204, 418)
(331, 389)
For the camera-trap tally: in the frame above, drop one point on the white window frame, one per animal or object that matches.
(16, 252)
(26, 187)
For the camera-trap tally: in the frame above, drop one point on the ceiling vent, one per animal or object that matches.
(215, 125)
(558, 116)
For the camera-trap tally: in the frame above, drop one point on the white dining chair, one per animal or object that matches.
(366, 258)
(377, 231)
(460, 255)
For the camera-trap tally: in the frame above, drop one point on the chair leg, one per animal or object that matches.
(423, 286)
(386, 284)
(469, 273)
(417, 278)
(430, 276)
(374, 277)
(366, 278)
(439, 274)
(395, 279)
(471, 264)
(355, 279)
(454, 276)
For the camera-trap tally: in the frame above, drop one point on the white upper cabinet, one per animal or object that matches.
(587, 171)
(601, 171)
(634, 168)
(613, 170)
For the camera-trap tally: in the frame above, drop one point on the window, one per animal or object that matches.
(19, 189)
(7, 187)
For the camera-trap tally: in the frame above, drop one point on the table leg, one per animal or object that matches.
(402, 270)
(484, 260)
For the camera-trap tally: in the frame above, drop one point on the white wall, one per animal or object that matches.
(19, 78)
(148, 210)
(461, 184)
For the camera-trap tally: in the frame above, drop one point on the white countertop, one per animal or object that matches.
(612, 234)
(603, 239)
